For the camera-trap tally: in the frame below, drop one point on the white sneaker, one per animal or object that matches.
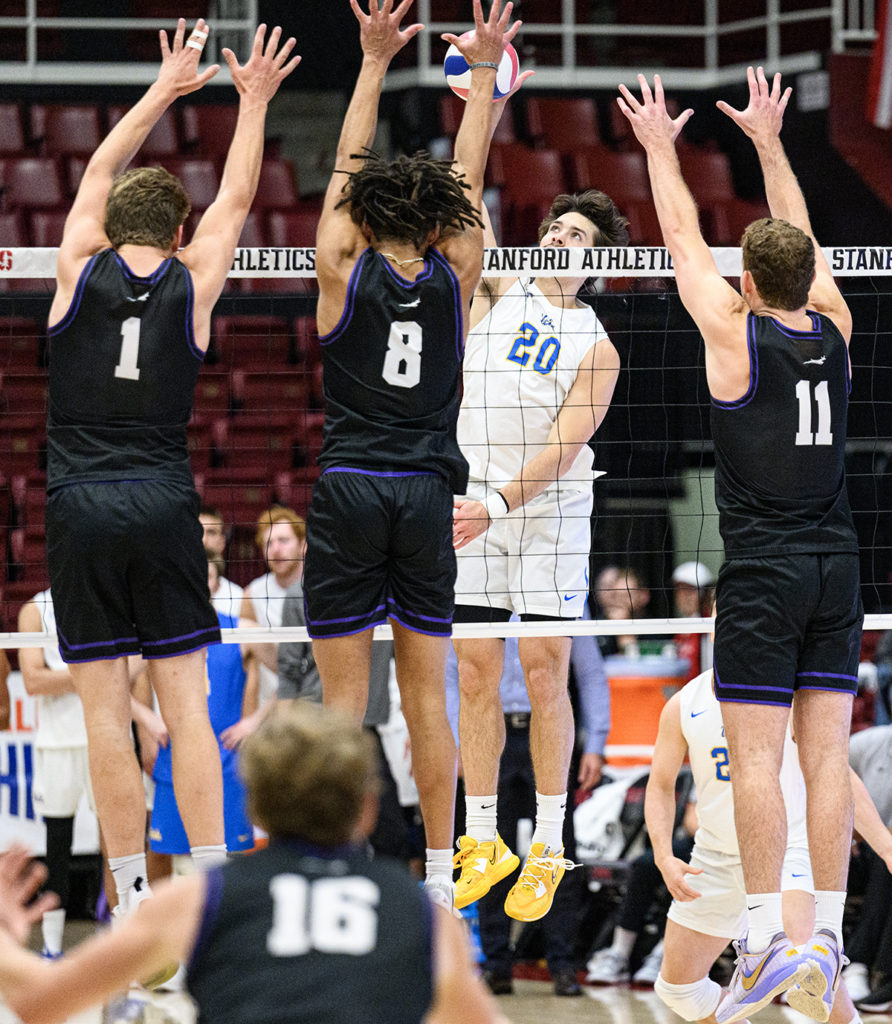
(607, 967)
(647, 973)
(440, 891)
(857, 979)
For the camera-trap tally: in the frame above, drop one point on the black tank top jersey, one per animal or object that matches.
(779, 450)
(123, 369)
(292, 934)
(391, 372)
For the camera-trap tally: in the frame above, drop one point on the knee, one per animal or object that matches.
(544, 688)
(477, 680)
(695, 1001)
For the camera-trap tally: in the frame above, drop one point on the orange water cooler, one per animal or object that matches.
(639, 689)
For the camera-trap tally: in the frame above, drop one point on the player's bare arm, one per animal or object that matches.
(580, 416)
(464, 249)
(761, 121)
(84, 232)
(39, 679)
(868, 823)
(210, 253)
(659, 801)
(717, 309)
(338, 240)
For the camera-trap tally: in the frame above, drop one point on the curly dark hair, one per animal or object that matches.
(406, 198)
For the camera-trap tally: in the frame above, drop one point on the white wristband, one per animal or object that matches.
(496, 506)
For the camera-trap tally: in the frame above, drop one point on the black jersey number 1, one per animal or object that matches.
(127, 367)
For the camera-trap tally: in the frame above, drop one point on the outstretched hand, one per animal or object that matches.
(266, 68)
(649, 118)
(179, 63)
(20, 878)
(764, 114)
(380, 34)
(490, 35)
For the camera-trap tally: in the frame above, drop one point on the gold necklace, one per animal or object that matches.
(403, 263)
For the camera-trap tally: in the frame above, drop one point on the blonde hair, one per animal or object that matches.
(308, 770)
(781, 258)
(279, 514)
(145, 206)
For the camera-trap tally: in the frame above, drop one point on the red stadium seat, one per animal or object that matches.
(199, 178)
(15, 594)
(257, 342)
(65, 128)
(31, 181)
(294, 488)
(529, 179)
(293, 227)
(22, 443)
(452, 108)
(623, 176)
(27, 553)
(271, 391)
(277, 187)
(208, 127)
(12, 229)
(212, 391)
(23, 394)
(258, 441)
(162, 141)
(19, 343)
(306, 339)
(732, 219)
(47, 227)
(563, 123)
(200, 440)
(12, 131)
(239, 495)
(708, 176)
(29, 498)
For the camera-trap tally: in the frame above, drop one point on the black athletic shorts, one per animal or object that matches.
(128, 570)
(379, 546)
(787, 623)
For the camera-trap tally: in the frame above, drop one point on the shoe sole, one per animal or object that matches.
(500, 871)
(808, 998)
(160, 977)
(746, 1009)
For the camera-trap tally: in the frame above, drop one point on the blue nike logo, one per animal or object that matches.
(569, 597)
(801, 875)
(696, 714)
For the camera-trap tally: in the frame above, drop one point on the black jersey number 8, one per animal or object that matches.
(330, 915)
(402, 364)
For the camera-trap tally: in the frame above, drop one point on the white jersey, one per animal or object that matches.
(60, 720)
(268, 598)
(228, 598)
(701, 724)
(520, 362)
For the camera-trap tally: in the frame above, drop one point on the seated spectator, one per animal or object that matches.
(620, 592)
(228, 596)
(692, 585)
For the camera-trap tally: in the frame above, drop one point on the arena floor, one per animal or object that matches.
(533, 1002)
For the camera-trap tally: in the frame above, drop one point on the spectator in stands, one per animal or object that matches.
(869, 974)
(692, 596)
(620, 592)
(517, 801)
(228, 596)
(296, 912)
(282, 539)
(129, 327)
(883, 659)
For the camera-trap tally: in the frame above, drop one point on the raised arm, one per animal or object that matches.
(178, 75)
(717, 309)
(659, 801)
(580, 416)
(210, 253)
(762, 121)
(338, 239)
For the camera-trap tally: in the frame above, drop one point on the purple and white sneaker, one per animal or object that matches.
(815, 993)
(759, 977)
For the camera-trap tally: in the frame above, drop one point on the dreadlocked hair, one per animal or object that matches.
(406, 198)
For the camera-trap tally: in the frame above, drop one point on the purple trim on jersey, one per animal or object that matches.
(76, 298)
(375, 472)
(188, 650)
(213, 897)
(347, 618)
(830, 689)
(184, 636)
(456, 295)
(347, 315)
(152, 278)
(417, 615)
(750, 393)
(345, 632)
(417, 629)
(199, 353)
(829, 675)
(764, 703)
(405, 281)
(96, 643)
(791, 332)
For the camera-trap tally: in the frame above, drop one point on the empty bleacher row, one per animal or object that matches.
(253, 438)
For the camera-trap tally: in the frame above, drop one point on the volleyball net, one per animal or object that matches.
(257, 427)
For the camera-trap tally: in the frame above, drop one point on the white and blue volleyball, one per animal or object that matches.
(458, 75)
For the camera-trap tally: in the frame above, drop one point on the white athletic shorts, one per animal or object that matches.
(534, 561)
(721, 907)
(61, 777)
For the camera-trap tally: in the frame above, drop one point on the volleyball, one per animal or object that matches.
(458, 75)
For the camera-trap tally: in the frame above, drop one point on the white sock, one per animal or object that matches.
(437, 862)
(856, 1019)
(623, 942)
(53, 926)
(205, 857)
(829, 906)
(480, 817)
(765, 919)
(549, 830)
(129, 873)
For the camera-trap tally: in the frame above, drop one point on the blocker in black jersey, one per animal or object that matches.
(379, 540)
(297, 932)
(124, 544)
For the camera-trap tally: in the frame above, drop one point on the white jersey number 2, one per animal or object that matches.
(805, 435)
(402, 364)
(330, 915)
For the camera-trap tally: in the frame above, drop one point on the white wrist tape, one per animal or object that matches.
(496, 506)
